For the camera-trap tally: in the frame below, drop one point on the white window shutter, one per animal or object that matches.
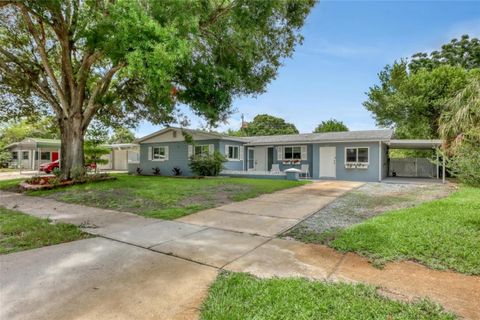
(226, 150)
(211, 148)
(240, 153)
(304, 152)
(190, 150)
(279, 153)
(149, 153)
(166, 152)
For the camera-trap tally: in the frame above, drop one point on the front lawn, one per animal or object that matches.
(165, 197)
(19, 232)
(241, 296)
(442, 234)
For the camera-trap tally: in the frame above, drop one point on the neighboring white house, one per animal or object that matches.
(30, 153)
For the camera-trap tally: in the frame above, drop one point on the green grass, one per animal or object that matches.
(442, 234)
(10, 185)
(165, 197)
(241, 296)
(22, 232)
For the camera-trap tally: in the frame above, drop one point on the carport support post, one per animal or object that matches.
(438, 166)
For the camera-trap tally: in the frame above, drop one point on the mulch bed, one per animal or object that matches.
(46, 182)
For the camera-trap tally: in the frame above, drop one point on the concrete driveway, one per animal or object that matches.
(100, 279)
(142, 268)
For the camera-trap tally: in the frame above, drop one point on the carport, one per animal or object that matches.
(414, 167)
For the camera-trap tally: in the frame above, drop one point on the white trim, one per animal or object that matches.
(283, 143)
(227, 152)
(290, 146)
(201, 145)
(356, 164)
(165, 151)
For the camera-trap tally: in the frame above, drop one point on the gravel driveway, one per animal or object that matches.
(370, 200)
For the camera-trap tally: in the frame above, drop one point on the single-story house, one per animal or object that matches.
(352, 155)
(30, 153)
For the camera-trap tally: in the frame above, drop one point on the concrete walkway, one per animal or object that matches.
(237, 237)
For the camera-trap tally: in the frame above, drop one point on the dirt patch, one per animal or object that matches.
(368, 201)
(127, 200)
(214, 196)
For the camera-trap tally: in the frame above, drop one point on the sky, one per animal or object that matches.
(346, 44)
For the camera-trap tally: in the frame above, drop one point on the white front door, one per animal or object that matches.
(328, 167)
(260, 158)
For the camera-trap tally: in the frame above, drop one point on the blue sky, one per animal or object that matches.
(346, 44)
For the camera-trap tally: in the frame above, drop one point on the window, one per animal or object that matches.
(233, 153)
(159, 153)
(25, 155)
(356, 155)
(174, 134)
(292, 153)
(45, 156)
(201, 150)
(133, 156)
(15, 155)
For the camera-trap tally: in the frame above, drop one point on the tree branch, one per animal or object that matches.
(44, 58)
(100, 89)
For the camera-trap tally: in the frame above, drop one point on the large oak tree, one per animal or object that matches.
(122, 61)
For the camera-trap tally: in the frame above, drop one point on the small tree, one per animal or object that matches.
(460, 127)
(207, 165)
(122, 135)
(94, 147)
(331, 125)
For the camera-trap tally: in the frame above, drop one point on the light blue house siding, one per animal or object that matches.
(369, 174)
(178, 157)
(233, 164)
(284, 167)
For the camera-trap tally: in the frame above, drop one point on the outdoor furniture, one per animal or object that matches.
(275, 168)
(304, 171)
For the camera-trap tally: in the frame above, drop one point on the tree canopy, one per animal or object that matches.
(127, 60)
(331, 125)
(413, 102)
(122, 135)
(412, 95)
(267, 125)
(15, 131)
(463, 52)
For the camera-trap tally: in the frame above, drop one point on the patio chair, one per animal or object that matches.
(304, 171)
(275, 168)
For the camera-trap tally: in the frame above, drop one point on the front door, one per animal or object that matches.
(269, 158)
(250, 159)
(328, 167)
(260, 158)
(54, 156)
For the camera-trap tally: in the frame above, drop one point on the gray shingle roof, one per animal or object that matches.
(366, 135)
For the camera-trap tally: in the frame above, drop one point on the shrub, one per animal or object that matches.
(57, 172)
(177, 171)
(79, 174)
(156, 171)
(207, 165)
(465, 164)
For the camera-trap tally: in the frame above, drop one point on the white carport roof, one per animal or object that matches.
(415, 144)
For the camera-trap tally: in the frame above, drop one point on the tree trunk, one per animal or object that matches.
(72, 145)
